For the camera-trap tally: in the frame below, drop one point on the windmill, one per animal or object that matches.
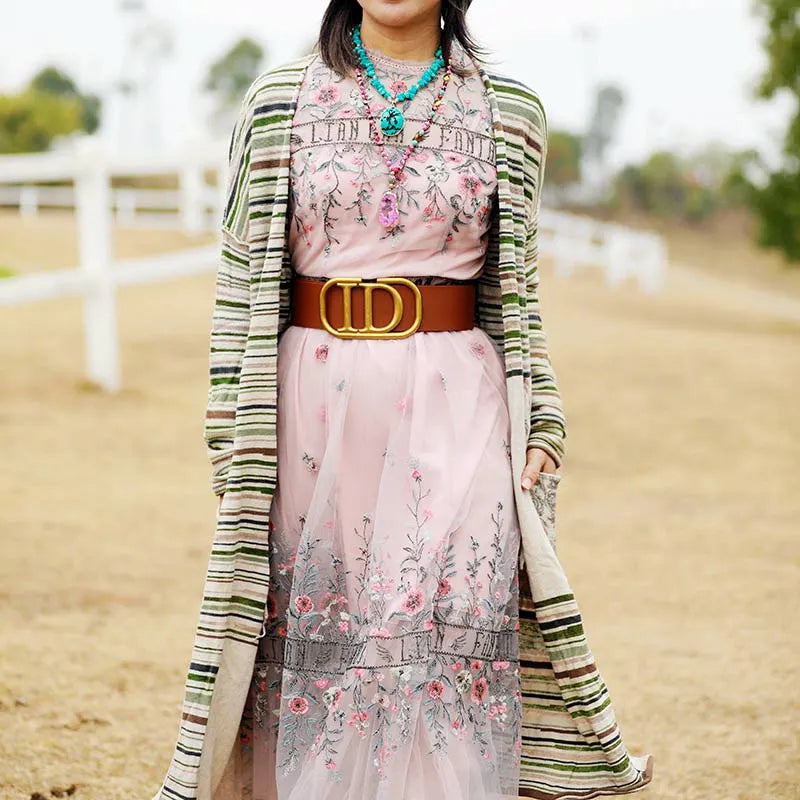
(148, 45)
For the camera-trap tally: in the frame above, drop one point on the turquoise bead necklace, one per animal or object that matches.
(392, 119)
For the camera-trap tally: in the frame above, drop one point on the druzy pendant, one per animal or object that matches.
(392, 121)
(388, 214)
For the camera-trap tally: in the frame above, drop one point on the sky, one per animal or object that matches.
(686, 66)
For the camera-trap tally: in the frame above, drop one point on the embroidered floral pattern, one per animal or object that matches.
(338, 175)
(357, 649)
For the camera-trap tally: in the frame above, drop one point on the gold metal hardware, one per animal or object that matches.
(370, 331)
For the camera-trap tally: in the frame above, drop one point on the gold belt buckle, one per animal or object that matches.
(370, 331)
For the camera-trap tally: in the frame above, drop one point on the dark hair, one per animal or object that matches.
(341, 16)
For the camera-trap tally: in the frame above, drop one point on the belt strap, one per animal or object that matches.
(442, 307)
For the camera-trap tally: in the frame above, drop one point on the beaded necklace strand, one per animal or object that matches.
(392, 118)
(388, 212)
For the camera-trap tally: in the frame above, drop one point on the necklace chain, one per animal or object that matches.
(408, 94)
(388, 212)
(392, 119)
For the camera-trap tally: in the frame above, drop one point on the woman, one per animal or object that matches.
(384, 615)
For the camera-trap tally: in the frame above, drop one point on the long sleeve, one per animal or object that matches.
(548, 424)
(231, 316)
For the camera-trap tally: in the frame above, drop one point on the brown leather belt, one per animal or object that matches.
(381, 308)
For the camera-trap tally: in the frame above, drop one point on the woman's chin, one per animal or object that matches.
(398, 13)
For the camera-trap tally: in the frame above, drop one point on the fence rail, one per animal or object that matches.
(574, 242)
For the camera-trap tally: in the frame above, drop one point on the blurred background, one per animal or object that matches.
(671, 296)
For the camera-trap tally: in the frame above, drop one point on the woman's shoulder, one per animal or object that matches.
(517, 98)
(278, 83)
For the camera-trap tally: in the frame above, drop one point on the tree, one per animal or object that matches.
(30, 120)
(53, 81)
(563, 158)
(230, 76)
(777, 203)
(689, 187)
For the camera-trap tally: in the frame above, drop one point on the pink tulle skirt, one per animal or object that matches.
(388, 665)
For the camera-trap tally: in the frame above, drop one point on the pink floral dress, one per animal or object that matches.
(388, 666)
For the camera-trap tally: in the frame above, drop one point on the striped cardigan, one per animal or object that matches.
(571, 747)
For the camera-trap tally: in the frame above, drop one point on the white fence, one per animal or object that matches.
(98, 274)
(573, 241)
(131, 206)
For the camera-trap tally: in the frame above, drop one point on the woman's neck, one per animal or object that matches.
(416, 41)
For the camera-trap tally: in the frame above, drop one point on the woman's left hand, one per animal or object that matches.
(538, 461)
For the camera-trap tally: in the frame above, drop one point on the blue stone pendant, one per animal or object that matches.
(392, 121)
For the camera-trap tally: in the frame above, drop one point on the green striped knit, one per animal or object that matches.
(571, 745)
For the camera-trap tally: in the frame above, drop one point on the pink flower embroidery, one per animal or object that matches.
(398, 86)
(322, 683)
(499, 665)
(380, 633)
(478, 349)
(303, 604)
(330, 764)
(426, 514)
(344, 626)
(321, 352)
(428, 625)
(298, 705)
(435, 689)
(479, 688)
(326, 95)
(476, 665)
(470, 185)
(357, 718)
(413, 601)
(444, 587)
(416, 475)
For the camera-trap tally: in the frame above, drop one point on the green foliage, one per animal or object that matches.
(777, 203)
(778, 209)
(664, 185)
(563, 158)
(49, 106)
(232, 74)
(29, 121)
(53, 81)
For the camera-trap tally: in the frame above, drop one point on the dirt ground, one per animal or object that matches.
(678, 527)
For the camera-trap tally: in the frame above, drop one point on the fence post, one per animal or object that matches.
(28, 201)
(126, 206)
(94, 219)
(192, 197)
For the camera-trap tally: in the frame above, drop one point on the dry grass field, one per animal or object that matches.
(678, 525)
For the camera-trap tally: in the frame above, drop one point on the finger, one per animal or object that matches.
(530, 473)
(549, 465)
